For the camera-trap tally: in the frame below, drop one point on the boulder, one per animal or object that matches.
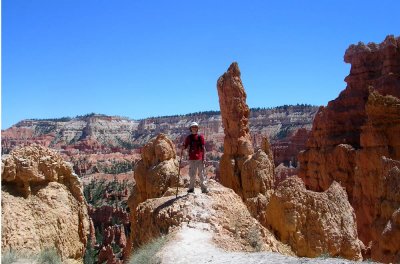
(42, 204)
(313, 223)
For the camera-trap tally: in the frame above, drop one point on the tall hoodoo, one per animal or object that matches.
(249, 174)
(355, 141)
(235, 113)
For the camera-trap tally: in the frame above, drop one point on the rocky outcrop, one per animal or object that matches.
(114, 234)
(282, 173)
(355, 141)
(249, 174)
(156, 171)
(221, 212)
(113, 237)
(312, 223)
(154, 174)
(42, 204)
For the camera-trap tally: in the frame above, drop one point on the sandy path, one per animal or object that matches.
(194, 246)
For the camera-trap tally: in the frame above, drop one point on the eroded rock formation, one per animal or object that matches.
(154, 174)
(42, 204)
(221, 212)
(293, 212)
(106, 214)
(314, 223)
(249, 174)
(355, 141)
(156, 171)
(106, 255)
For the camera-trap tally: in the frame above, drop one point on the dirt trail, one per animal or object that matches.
(193, 245)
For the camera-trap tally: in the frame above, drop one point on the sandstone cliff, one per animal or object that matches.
(355, 141)
(42, 204)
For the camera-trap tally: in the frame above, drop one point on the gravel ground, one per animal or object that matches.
(194, 246)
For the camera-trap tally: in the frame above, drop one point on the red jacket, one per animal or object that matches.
(196, 146)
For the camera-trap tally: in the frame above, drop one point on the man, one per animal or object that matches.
(197, 152)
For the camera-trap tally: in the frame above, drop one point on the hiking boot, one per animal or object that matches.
(190, 191)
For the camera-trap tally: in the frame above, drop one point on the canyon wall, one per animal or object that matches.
(355, 140)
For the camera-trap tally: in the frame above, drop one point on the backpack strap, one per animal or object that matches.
(198, 141)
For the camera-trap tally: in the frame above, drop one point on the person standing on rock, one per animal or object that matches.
(197, 152)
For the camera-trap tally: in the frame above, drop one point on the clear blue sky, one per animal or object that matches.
(150, 58)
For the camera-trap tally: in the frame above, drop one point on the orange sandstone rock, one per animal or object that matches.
(355, 141)
(42, 204)
(220, 212)
(249, 174)
(314, 223)
(154, 174)
(156, 171)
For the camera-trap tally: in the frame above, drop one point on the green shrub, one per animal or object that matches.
(95, 190)
(254, 238)
(116, 249)
(90, 256)
(9, 257)
(324, 255)
(99, 234)
(49, 256)
(118, 167)
(147, 253)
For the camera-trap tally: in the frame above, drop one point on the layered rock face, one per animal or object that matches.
(314, 223)
(42, 204)
(249, 174)
(96, 133)
(355, 141)
(154, 174)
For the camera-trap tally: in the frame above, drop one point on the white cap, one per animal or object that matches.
(194, 124)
